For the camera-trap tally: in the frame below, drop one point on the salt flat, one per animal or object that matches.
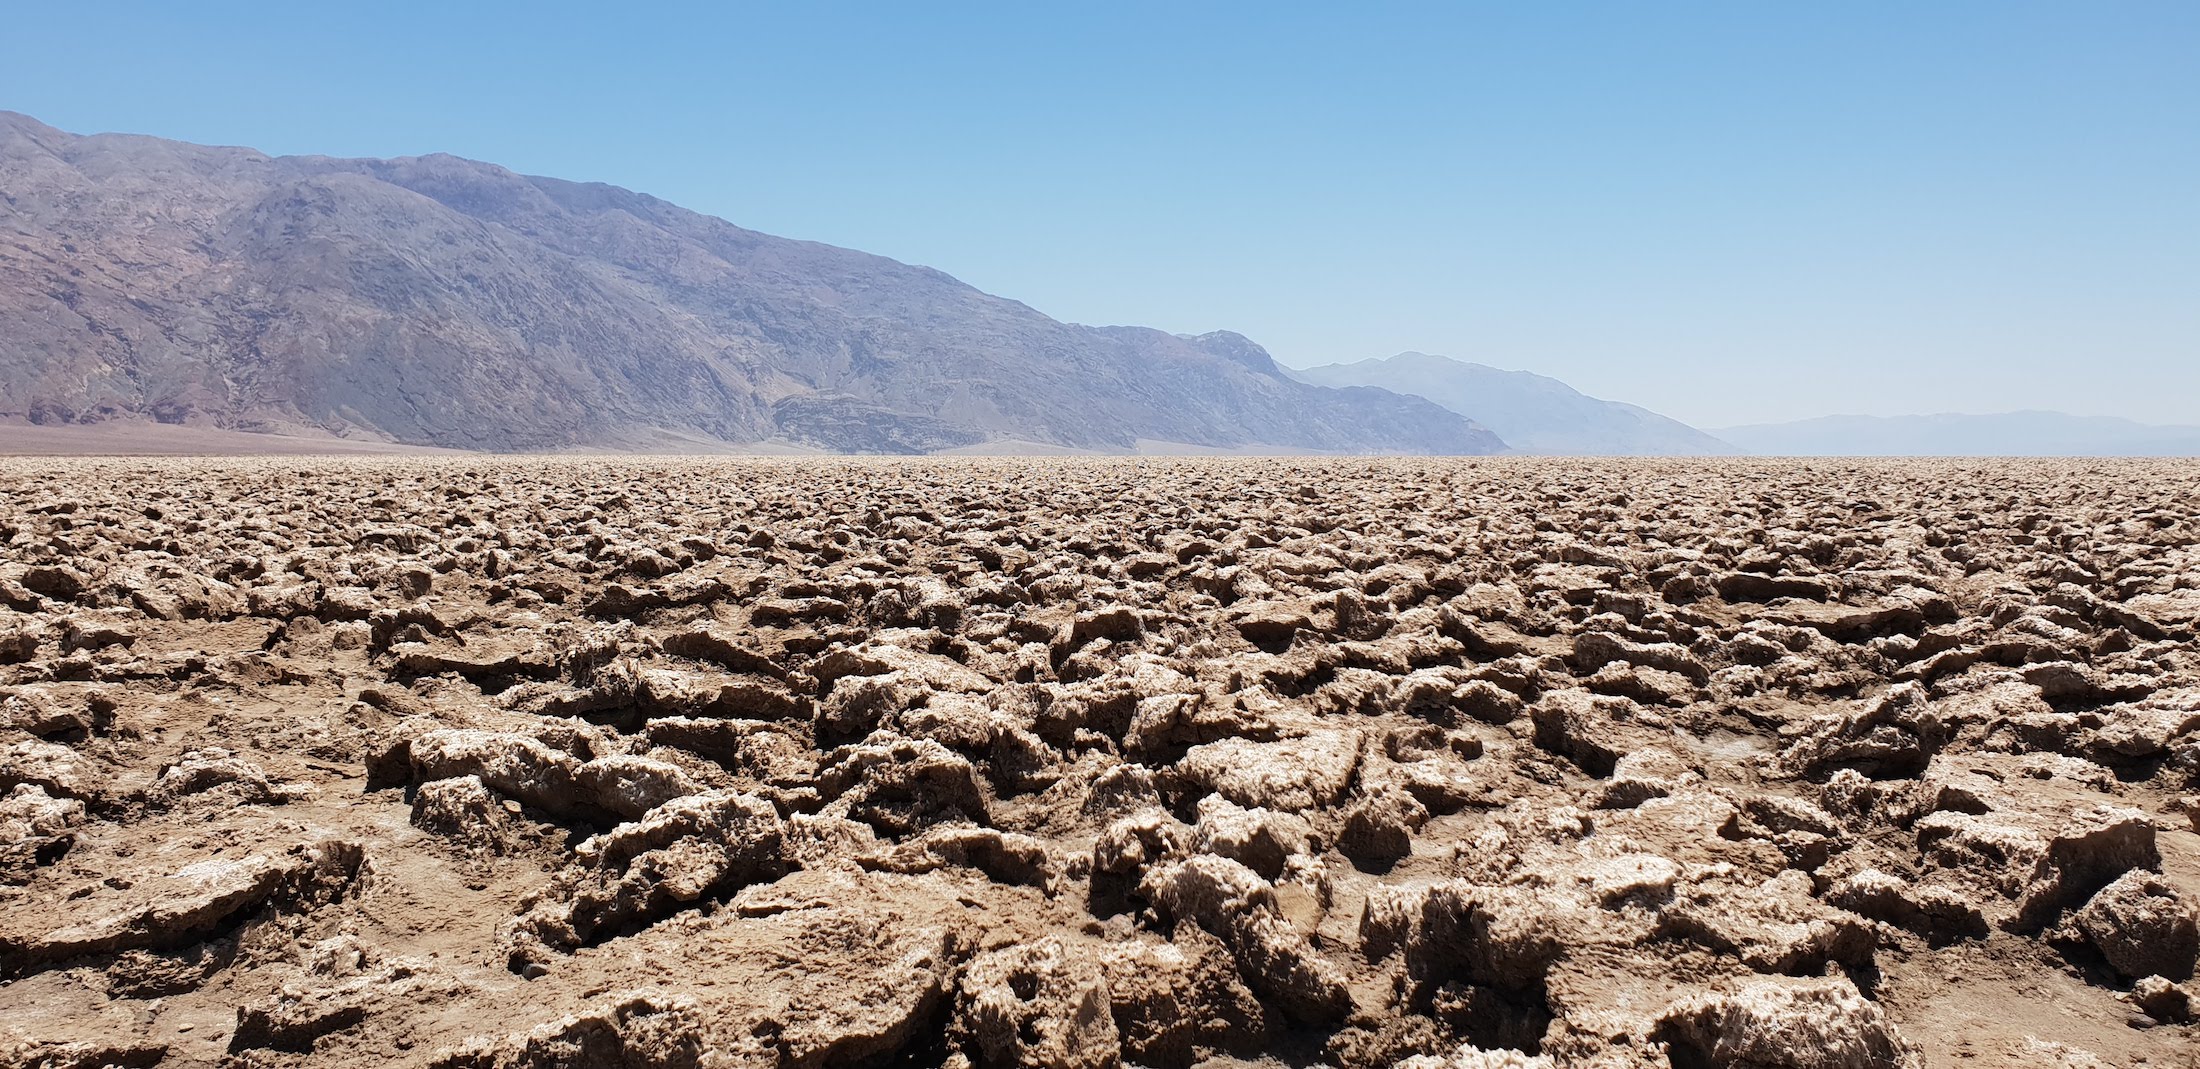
(473, 761)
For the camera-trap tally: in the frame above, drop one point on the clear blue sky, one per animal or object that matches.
(1728, 212)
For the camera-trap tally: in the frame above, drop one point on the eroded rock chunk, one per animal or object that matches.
(2039, 866)
(1269, 625)
(35, 829)
(1597, 649)
(1893, 736)
(48, 1054)
(1043, 1004)
(1774, 927)
(461, 810)
(51, 767)
(2162, 1000)
(2143, 927)
(1939, 913)
(1378, 828)
(1473, 1057)
(29, 813)
(300, 1014)
(2095, 847)
(19, 640)
(646, 1031)
(516, 766)
(882, 1010)
(629, 786)
(221, 773)
(1005, 857)
(900, 785)
(1289, 775)
(692, 847)
(186, 905)
(1476, 956)
(1233, 903)
(1782, 1023)
(1179, 1000)
(90, 631)
(1653, 772)
(1591, 730)
(1259, 839)
(2145, 729)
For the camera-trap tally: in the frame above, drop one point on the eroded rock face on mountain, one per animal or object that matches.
(542, 762)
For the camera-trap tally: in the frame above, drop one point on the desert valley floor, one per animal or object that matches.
(486, 762)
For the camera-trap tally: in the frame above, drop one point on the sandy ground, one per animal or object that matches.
(130, 439)
(1073, 762)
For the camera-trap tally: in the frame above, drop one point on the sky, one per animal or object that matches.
(1727, 212)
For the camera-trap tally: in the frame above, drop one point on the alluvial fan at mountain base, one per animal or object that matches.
(479, 762)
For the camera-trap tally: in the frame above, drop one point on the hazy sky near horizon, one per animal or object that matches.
(1728, 212)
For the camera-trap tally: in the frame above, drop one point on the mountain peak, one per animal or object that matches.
(1236, 348)
(21, 125)
(1533, 413)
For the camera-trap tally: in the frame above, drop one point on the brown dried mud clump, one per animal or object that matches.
(1367, 763)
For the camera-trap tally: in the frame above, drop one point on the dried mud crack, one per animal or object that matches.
(497, 763)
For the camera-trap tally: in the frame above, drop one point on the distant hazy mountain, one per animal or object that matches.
(1532, 413)
(2015, 434)
(440, 301)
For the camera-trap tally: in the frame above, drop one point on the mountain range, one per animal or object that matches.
(1532, 413)
(435, 301)
(1950, 434)
(445, 302)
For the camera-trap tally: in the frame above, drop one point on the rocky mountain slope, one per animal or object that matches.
(1532, 413)
(441, 301)
(2044, 434)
